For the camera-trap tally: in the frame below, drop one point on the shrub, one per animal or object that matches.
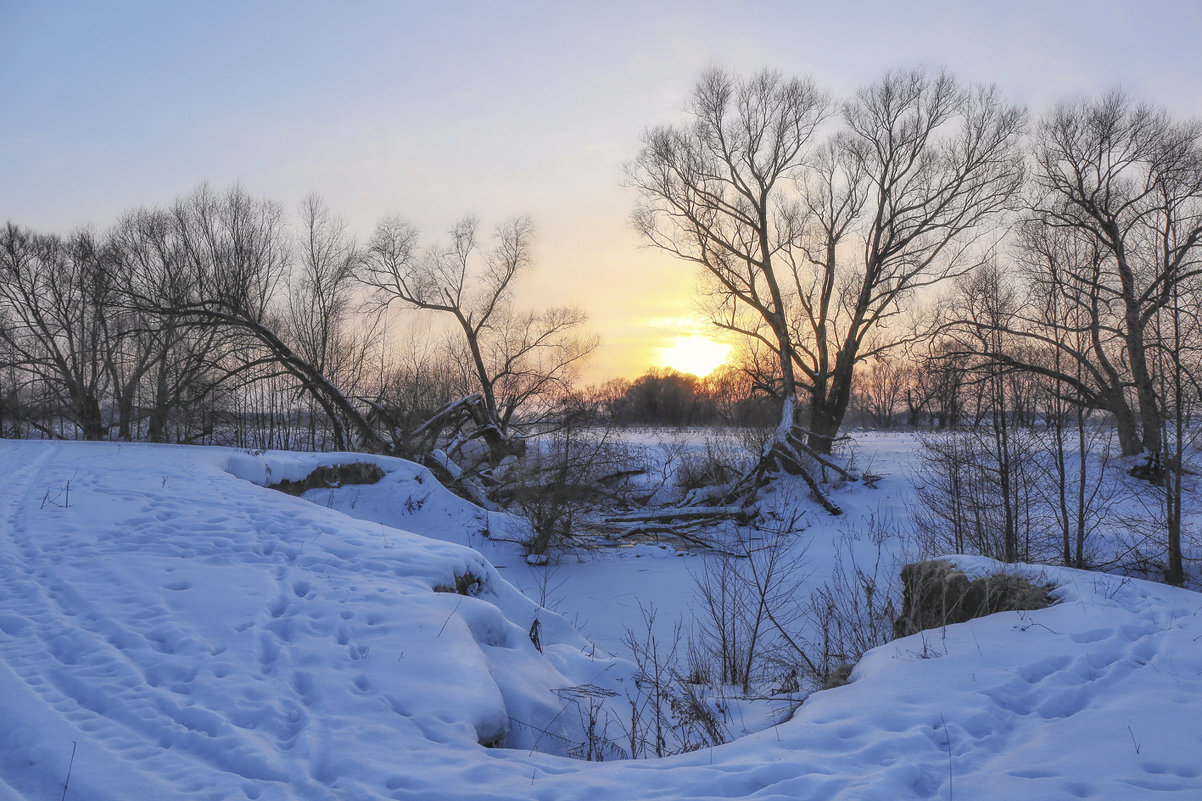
(336, 476)
(937, 593)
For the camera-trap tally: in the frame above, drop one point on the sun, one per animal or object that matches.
(695, 354)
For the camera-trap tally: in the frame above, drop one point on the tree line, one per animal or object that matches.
(216, 320)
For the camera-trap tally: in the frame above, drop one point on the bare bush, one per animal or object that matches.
(719, 463)
(750, 602)
(562, 476)
(1075, 487)
(853, 611)
(669, 713)
(976, 494)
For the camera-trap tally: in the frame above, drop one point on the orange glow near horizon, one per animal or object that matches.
(695, 354)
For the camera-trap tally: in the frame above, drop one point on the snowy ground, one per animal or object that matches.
(187, 633)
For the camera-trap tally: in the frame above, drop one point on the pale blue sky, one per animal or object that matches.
(438, 109)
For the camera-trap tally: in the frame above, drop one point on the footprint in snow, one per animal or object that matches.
(1182, 771)
(1093, 635)
(269, 652)
(1033, 774)
(1033, 674)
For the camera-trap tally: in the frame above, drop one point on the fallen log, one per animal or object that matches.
(652, 528)
(735, 513)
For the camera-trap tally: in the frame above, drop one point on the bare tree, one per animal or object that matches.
(55, 295)
(319, 320)
(989, 297)
(905, 196)
(11, 400)
(513, 358)
(1127, 179)
(716, 191)
(229, 254)
(1075, 364)
(811, 251)
(1177, 356)
(321, 295)
(166, 369)
(882, 386)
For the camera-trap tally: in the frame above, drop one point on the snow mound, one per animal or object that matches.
(409, 497)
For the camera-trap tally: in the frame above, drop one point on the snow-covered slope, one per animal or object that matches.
(200, 636)
(193, 635)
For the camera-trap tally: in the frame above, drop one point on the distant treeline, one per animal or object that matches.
(665, 397)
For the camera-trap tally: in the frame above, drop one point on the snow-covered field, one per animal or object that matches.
(169, 628)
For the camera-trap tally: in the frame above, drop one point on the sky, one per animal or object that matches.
(438, 110)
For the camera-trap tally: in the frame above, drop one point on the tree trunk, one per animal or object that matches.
(1130, 442)
(829, 401)
(1149, 409)
(91, 423)
(156, 427)
(1145, 389)
(824, 427)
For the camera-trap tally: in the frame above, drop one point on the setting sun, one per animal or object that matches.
(695, 354)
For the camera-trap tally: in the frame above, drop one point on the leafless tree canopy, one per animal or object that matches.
(514, 357)
(811, 246)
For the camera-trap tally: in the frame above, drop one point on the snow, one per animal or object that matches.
(195, 635)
